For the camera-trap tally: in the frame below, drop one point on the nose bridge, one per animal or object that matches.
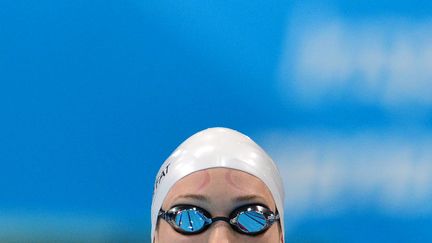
(221, 232)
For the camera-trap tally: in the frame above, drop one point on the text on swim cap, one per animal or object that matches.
(160, 176)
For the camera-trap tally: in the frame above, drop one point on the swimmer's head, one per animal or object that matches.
(218, 186)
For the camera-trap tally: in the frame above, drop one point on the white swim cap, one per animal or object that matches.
(213, 148)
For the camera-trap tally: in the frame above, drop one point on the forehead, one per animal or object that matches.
(216, 182)
(236, 178)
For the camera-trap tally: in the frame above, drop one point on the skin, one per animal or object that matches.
(219, 191)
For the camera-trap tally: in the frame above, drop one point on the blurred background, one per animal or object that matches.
(94, 95)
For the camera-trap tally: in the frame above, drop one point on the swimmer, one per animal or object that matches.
(218, 186)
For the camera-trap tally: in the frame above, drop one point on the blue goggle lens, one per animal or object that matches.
(251, 221)
(190, 220)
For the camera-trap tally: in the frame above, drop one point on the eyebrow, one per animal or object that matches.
(239, 199)
(248, 198)
(194, 197)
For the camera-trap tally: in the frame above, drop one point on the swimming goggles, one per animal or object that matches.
(251, 219)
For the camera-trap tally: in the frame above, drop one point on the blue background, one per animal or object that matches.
(94, 95)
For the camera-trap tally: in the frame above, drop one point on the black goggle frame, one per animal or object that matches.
(170, 217)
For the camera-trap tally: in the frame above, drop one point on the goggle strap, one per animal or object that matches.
(162, 214)
(273, 218)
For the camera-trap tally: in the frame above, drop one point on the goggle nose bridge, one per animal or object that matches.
(225, 219)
